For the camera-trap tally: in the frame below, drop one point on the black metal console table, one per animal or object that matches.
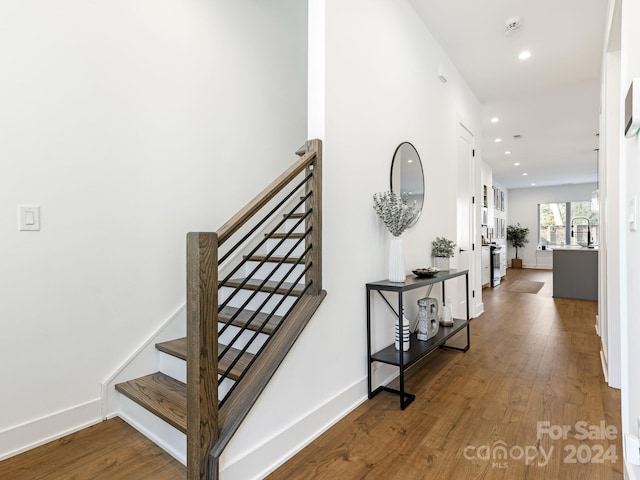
(418, 348)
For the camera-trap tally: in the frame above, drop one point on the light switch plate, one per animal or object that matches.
(28, 218)
(633, 224)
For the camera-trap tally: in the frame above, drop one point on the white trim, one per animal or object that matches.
(275, 451)
(138, 363)
(631, 472)
(170, 439)
(604, 367)
(31, 434)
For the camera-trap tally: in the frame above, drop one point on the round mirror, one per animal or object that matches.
(407, 177)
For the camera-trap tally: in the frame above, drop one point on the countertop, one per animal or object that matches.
(574, 249)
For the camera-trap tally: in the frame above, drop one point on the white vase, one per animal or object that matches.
(406, 335)
(396, 260)
(441, 263)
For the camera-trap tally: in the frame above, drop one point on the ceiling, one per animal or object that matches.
(551, 99)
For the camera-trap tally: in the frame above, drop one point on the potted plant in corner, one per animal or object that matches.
(517, 237)
(442, 250)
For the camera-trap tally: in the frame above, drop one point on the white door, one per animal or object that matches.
(465, 219)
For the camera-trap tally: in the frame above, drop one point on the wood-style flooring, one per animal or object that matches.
(533, 359)
(110, 450)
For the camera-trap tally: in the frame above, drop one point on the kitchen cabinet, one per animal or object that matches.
(503, 262)
(486, 265)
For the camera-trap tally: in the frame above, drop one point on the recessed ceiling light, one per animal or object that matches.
(524, 55)
(507, 152)
(409, 161)
(495, 120)
(498, 140)
(533, 184)
(525, 174)
(517, 164)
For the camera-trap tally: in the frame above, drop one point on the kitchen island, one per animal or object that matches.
(575, 273)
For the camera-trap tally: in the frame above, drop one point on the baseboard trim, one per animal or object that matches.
(28, 435)
(603, 361)
(268, 456)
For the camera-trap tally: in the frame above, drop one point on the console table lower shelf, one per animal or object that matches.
(417, 351)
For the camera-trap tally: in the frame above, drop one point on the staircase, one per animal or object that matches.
(258, 291)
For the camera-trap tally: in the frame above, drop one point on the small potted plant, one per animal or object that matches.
(442, 249)
(517, 237)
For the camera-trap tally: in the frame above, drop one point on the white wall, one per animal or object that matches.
(630, 241)
(382, 89)
(523, 209)
(130, 123)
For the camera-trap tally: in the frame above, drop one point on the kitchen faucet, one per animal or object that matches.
(588, 228)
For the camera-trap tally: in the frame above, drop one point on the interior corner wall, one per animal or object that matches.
(381, 89)
(130, 123)
(630, 242)
(523, 209)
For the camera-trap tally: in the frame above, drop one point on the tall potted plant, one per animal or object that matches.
(517, 237)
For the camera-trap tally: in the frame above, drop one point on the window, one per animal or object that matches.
(554, 230)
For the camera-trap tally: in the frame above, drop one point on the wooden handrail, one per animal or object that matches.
(207, 431)
(260, 200)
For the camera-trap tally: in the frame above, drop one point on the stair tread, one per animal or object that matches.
(295, 215)
(273, 259)
(269, 286)
(162, 395)
(178, 348)
(290, 236)
(227, 312)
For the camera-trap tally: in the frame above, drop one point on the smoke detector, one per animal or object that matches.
(512, 26)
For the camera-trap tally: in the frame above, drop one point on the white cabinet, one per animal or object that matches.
(486, 265)
(503, 261)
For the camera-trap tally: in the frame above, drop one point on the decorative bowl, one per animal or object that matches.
(425, 272)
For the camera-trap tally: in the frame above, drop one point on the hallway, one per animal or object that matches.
(532, 359)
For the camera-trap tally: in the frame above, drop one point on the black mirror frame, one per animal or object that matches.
(396, 156)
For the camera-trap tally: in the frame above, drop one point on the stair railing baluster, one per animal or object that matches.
(256, 291)
(210, 423)
(260, 307)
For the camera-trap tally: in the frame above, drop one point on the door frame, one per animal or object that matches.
(462, 130)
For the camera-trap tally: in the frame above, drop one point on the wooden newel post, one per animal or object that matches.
(314, 203)
(202, 357)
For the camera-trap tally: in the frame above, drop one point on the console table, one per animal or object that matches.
(419, 348)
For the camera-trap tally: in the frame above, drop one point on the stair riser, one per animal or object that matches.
(290, 224)
(169, 438)
(177, 368)
(173, 367)
(285, 247)
(274, 272)
(242, 341)
(256, 301)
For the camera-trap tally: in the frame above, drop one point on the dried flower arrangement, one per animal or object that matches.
(394, 212)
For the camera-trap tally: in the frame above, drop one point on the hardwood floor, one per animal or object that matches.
(533, 359)
(110, 450)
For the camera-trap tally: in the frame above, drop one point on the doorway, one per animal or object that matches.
(466, 216)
